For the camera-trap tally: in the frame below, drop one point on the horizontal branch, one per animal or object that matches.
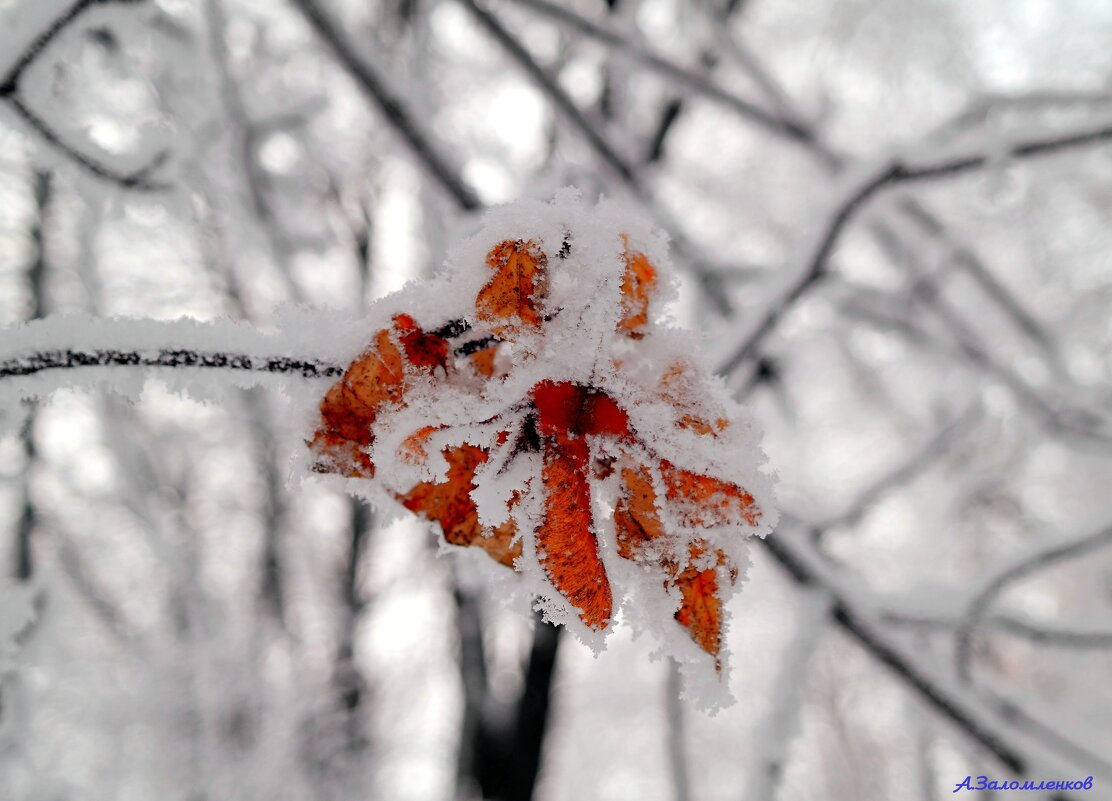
(890, 175)
(34, 363)
(1035, 632)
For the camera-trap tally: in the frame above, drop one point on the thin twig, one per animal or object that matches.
(903, 473)
(779, 126)
(248, 134)
(967, 258)
(892, 174)
(392, 106)
(33, 363)
(138, 180)
(1039, 633)
(602, 148)
(10, 84)
(623, 169)
(968, 715)
(984, 597)
(786, 699)
(9, 91)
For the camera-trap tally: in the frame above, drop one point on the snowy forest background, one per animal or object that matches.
(891, 219)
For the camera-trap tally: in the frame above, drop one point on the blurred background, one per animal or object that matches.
(928, 350)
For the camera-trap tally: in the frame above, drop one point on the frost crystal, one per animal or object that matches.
(530, 401)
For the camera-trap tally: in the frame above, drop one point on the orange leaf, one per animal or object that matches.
(449, 503)
(483, 361)
(638, 282)
(636, 521)
(701, 609)
(566, 544)
(421, 349)
(568, 549)
(706, 501)
(349, 409)
(511, 299)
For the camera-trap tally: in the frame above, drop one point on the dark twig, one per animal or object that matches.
(34, 363)
(676, 727)
(9, 91)
(10, 83)
(779, 126)
(606, 152)
(602, 148)
(393, 108)
(968, 715)
(504, 758)
(984, 598)
(893, 174)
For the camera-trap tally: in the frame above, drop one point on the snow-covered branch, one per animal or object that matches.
(691, 81)
(854, 617)
(1043, 558)
(139, 179)
(895, 173)
(393, 106)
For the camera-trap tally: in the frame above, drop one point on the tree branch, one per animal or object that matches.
(968, 715)
(138, 180)
(623, 169)
(892, 174)
(779, 126)
(33, 363)
(9, 91)
(1077, 638)
(903, 473)
(602, 148)
(10, 84)
(998, 583)
(393, 108)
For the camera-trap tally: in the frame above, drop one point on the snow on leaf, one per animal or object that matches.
(512, 297)
(701, 609)
(449, 504)
(566, 414)
(374, 380)
(638, 282)
(708, 501)
(529, 403)
(638, 526)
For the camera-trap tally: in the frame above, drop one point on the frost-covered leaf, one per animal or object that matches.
(530, 403)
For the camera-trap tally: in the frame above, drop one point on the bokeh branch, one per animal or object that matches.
(894, 174)
(139, 179)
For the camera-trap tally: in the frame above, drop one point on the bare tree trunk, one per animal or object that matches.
(36, 276)
(501, 753)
